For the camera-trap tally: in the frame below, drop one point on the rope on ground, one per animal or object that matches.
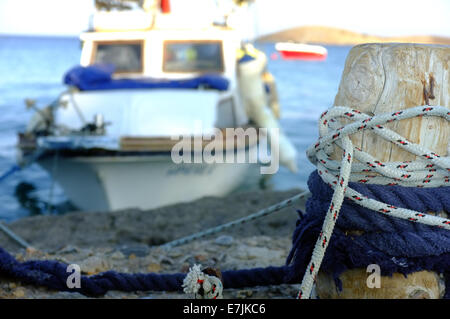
(54, 275)
(263, 212)
(431, 171)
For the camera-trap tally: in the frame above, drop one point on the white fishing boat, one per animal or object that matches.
(148, 75)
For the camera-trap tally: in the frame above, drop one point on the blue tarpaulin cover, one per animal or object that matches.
(99, 77)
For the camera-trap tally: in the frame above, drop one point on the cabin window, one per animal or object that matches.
(125, 55)
(193, 56)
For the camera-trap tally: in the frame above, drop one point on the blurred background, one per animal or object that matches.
(39, 43)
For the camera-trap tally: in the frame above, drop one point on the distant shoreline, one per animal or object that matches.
(304, 34)
(335, 36)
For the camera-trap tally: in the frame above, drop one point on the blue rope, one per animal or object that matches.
(53, 274)
(395, 245)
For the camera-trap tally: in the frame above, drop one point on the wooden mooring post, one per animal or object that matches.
(380, 78)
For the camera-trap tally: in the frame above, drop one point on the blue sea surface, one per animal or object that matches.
(33, 67)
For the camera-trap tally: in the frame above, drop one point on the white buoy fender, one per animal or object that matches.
(255, 101)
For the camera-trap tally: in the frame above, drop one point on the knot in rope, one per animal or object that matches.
(201, 285)
(431, 170)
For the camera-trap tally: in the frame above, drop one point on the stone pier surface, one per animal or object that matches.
(126, 241)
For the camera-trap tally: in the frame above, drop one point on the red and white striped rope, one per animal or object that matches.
(431, 170)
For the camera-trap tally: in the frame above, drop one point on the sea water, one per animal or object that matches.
(33, 67)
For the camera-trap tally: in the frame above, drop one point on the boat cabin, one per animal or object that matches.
(173, 76)
(164, 53)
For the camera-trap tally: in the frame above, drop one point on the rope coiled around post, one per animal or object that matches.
(396, 245)
(431, 171)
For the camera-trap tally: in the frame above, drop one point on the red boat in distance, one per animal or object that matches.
(301, 51)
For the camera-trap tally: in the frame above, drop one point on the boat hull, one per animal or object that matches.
(301, 51)
(299, 55)
(105, 183)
